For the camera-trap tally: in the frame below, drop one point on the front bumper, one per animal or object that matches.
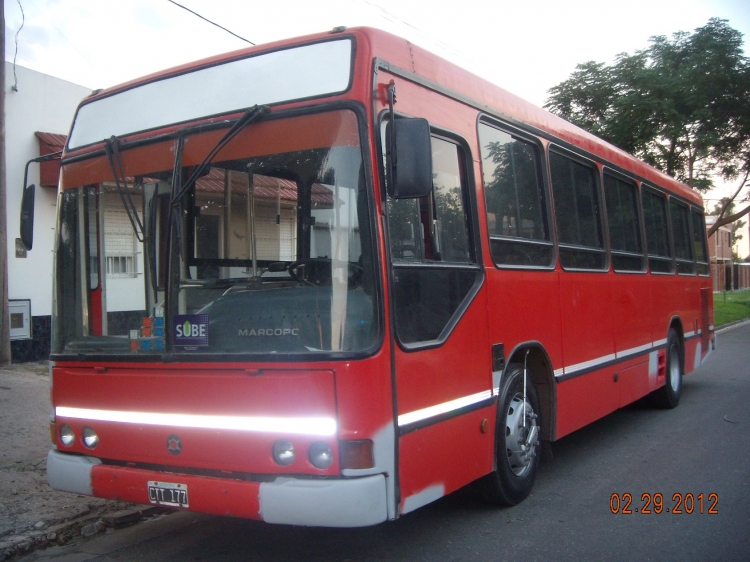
(351, 502)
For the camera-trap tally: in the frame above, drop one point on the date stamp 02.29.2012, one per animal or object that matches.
(654, 503)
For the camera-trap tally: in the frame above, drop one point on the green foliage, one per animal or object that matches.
(682, 104)
(729, 307)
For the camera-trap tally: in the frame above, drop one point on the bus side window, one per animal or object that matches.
(434, 268)
(577, 214)
(657, 231)
(699, 241)
(514, 196)
(683, 248)
(624, 224)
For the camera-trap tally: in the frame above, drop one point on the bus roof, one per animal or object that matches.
(402, 53)
(451, 79)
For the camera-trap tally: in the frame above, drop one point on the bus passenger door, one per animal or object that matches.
(441, 350)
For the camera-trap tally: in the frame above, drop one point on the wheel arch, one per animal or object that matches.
(676, 324)
(539, 366)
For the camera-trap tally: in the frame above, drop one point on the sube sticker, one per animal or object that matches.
(191, 330)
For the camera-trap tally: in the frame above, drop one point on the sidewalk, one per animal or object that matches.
(32, 515)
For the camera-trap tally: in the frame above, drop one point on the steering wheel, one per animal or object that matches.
(316, 272)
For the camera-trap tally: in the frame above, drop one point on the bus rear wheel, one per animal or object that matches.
(668, 396)
(517, 440)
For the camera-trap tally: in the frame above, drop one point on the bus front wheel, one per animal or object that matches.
(517, 440)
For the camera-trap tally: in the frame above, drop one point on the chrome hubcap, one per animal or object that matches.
(521, 435)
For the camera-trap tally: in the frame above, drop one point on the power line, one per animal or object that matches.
(41, 13)
(209, 21)
(390, 16)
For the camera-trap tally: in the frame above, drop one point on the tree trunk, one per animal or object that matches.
(670, 157)
(726, 220)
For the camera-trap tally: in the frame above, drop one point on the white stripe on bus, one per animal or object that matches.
(299, 426)
(588, 364)
(632, 351)
(444, 408)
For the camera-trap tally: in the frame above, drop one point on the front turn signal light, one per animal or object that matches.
(357, 454)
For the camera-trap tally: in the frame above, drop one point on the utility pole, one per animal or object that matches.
(4, 320)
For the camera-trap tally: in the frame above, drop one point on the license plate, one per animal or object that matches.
(167, 493)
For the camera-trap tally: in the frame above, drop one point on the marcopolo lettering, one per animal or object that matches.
(268, 332)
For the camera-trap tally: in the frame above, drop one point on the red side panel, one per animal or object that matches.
(587, 327)
(634, 382)
(584, 399)
(446, 455)
(524, 307)
(631, 321)
(632, 327)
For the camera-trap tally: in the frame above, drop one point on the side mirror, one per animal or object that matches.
(27, 217)
(409, 159)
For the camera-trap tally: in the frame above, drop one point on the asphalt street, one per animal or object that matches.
(701, 448)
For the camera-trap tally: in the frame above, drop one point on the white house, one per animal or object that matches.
(35, 116)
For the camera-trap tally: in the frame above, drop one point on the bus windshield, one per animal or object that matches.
(268, 252)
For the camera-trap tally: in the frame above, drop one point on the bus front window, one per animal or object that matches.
(269, 252)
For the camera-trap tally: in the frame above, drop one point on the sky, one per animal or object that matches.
(524, 47)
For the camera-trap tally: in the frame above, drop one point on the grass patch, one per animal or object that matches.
(736, 306)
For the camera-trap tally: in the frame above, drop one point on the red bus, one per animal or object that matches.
(329, 280)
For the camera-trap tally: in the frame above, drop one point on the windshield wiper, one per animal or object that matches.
(112, 149)
(248, 117)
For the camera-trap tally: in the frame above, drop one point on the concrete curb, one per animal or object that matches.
(86, 525)
(732, 325)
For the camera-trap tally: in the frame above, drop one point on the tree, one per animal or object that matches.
(726, 205)
(682, 105)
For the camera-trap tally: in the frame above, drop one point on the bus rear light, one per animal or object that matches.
(357, 454)
(67, 436)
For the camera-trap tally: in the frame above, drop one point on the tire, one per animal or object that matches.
(517, 441)
(668, 396)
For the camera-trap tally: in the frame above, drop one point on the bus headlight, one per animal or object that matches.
(90, 438)
(320, 455)
(67, 436)
(283, 453)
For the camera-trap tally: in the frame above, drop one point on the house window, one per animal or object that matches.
(120, 265)
(119, 242)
